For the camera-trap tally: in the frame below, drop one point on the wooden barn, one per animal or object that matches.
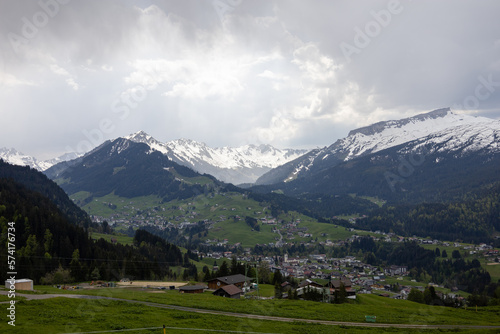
(238, 280)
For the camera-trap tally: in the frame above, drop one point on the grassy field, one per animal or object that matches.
(387, 310)
(219, 208)
(493, 269)
(62, 315)
(265, 290)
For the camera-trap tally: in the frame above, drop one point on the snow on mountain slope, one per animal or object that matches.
(382, 135)
(15, 157)
(229, 164)
(443, 127)
(482, 134)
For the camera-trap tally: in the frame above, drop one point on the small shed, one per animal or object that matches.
(19, 284)
(229, 291)
(192, 288)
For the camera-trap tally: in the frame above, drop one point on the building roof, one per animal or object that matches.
(230, 289)
(336, 283)
(232, 279)
(21, 280)
(307, 282)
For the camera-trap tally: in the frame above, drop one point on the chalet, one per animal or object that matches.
(335, 285)
(309, 282)
(396, 270)
(193, 288)
(238, 280)
(286, 286)
(228, 291)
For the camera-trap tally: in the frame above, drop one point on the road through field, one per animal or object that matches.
(260, 317)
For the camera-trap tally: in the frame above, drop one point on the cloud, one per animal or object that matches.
(258, 72)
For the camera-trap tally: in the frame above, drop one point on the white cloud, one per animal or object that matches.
(70, 80)
(269, 72)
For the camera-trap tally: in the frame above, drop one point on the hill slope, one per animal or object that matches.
(38, 182)
(130, 169)
(47, 239)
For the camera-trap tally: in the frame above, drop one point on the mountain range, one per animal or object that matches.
(429, 157)
(14, 157)
(129, 169)
(441, 128)
(235, 165)
(408, 156)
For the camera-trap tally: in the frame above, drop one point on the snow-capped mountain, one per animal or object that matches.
(441, 128)
(235, 165)
(15, 157)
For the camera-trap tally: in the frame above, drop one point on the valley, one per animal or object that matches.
(218, 219)
(132, 210)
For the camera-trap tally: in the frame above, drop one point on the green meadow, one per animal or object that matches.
(64, 315)
(223, 209)
(386, 310)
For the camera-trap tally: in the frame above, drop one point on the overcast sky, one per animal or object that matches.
(288, 73)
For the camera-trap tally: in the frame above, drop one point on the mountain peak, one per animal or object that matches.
(381, 126)
(139, 136)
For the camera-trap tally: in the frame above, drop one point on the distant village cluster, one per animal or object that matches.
(355, 276)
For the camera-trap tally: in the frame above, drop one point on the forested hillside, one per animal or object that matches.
(399, 175)
(51, 247)
(41, 184)
(476, 219)
(129, 169)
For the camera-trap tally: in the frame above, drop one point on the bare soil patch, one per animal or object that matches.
(150, 284)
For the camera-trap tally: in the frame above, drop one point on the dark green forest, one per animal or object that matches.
(134, 172)
(50, 246)
(452, 270)
(405, 178)
(474, 220)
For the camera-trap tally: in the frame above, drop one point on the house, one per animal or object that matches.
(228, 291)
(335, 285)
(19, 284)
(309, 282)
(239, 280)
(192, 288)
(396, 270)
(286, 286)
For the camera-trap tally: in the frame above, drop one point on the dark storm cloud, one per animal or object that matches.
(288, 73)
